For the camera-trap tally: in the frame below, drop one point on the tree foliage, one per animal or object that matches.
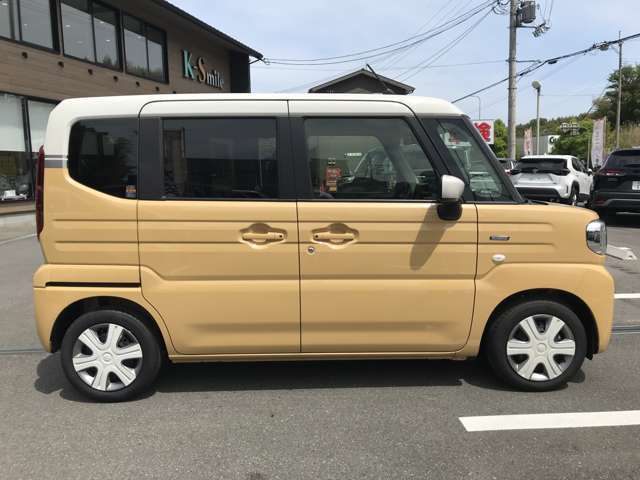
(576, 145)
(607, 105)
(499, 146)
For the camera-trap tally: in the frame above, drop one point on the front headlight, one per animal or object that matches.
(597, 237)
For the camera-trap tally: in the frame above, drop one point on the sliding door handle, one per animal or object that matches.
(259, 237)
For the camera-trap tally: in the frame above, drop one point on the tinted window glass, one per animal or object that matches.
(36, 22)
(367, 158)
(105, 21)
(480, 175)
(77, 30)
(624, 159)
(220, 158)
(144, 49)
(135, 46)
(7, 16)
(541, 165)
(103, 155)
(155, 45)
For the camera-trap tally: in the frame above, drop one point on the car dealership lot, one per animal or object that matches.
(365, 419)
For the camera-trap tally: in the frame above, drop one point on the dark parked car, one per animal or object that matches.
(617, 184)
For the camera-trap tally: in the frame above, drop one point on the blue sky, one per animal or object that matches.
(301, 29)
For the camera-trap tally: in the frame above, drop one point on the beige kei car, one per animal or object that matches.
(228, 227)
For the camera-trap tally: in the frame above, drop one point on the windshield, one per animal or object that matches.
(624, 159)
(542, 165)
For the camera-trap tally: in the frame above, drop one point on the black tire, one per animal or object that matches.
(573, 198)
(150, 363)
(498, 335)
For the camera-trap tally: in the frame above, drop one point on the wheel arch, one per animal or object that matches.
(92, 304)
(572, 301)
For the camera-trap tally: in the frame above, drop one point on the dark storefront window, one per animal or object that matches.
(17, 157)
(76, 29)
(145, 48)
(90, 32)
(27, 21)
(105, 22)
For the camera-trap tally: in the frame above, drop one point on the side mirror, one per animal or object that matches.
(590, 171)
(450, 207)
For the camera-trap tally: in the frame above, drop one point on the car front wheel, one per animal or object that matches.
(110, 356)
(537, 345)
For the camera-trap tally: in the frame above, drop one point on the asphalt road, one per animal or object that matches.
(342, 420)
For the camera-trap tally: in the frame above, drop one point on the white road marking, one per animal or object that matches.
(17, 238)
(619, 296)
(551, 420)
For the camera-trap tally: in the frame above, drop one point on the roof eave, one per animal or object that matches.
(205, 26)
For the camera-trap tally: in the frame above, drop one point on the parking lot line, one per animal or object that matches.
(551, 420)
(11, 240)
(619, 296)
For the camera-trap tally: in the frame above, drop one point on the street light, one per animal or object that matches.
(537, 86)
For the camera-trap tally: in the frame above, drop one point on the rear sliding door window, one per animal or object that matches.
(216, 158)
(103, 155)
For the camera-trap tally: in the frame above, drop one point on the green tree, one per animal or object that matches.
(607, 105)
(499, 146)
(576, 145)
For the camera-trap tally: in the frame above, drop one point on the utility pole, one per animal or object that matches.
(619, 90)
(511, 116)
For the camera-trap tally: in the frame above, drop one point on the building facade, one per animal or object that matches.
(56, 49)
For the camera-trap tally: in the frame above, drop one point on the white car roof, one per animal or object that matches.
(70, 111)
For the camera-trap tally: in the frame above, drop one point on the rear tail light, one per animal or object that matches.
(564, 171)
(611, 172)
(40, 192)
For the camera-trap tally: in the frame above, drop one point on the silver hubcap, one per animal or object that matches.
(541, 347)
(107, 357)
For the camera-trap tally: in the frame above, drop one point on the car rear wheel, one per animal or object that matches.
(573, 198)
(537, 345)
(110, 356)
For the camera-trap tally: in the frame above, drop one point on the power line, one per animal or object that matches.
(553, 60)
(400, 55)
(426, 63)
(446, 65)
(401, 45)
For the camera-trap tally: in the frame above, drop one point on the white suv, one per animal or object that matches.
(554, 178)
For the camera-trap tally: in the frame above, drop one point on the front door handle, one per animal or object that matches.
(336, 235)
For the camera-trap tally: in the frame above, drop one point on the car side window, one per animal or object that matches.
(103, 155)
(367, 158)
(480, 174)
(220, 158)
(577, 165)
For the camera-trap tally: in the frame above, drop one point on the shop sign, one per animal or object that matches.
(485, 127)
(198, 71)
